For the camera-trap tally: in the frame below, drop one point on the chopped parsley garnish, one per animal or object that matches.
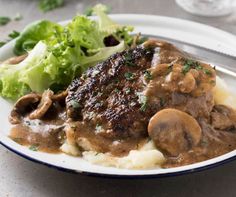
(186, 68)
(47, 5)
(4, 20)
(75, 104)
(129, 60)
(98, 128)
(34, 147)
(116, 90)
(207, 72)
(129, 76)
(188, 64)
(128, 90)
(198, 67)
(14, 34)
(147, 75)
(142, 99)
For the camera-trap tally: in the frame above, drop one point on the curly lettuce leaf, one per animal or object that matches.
(58, 54)
(14, 80)
(103, 53)
(105, 23)
(33, 33)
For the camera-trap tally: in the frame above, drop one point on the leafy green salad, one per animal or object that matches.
(57, 54)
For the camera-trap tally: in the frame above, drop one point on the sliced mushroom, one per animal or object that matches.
(22, 106)
(60, 96)
(174, 131)
(28, 103)
(43, 106)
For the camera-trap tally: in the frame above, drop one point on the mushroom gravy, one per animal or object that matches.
(45, 135)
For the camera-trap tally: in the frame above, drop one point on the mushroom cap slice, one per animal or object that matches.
(174, 131)
(43, 106)
(22, 105)
(60, 96)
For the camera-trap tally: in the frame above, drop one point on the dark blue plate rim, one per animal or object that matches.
(123, 176)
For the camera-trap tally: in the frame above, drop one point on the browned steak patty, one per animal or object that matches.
(109, 96)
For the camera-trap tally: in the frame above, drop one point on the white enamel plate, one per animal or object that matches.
(151, 25)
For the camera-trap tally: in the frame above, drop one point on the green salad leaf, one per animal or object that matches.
(110, 27)
(33, 33)
(91, 10)
(15, 78)
(57, 54)
(14, 34)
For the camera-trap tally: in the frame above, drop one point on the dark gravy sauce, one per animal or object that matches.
(213, 143)
(45, 135)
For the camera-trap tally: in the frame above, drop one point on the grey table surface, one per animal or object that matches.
(22, 178)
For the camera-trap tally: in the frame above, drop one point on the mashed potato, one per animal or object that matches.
(147, 156)
(222, 94)
(70, 149)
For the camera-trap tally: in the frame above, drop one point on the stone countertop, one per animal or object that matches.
(22, 178)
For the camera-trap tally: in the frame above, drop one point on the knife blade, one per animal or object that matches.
(223, 62)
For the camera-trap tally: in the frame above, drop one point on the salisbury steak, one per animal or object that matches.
(114, 101)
